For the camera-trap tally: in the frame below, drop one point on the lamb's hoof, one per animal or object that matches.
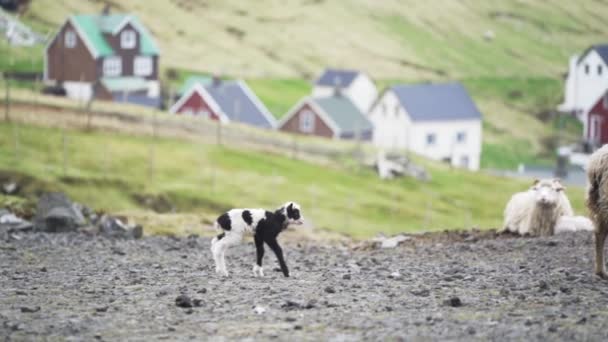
(602, 275)
(258, 271)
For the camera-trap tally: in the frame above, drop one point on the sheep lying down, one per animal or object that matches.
(543, 210)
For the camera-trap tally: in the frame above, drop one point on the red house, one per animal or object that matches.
(596, 132)
(227, 101)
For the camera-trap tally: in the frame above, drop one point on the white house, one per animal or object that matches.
(439, 121)
(587, 80)
(356, 85)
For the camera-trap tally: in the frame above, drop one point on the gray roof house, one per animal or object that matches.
(436, 102)
(227, 101)
(331, 117)
(353, 84)
(439, 121)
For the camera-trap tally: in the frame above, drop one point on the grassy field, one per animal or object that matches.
(113, 172)
(389, 39)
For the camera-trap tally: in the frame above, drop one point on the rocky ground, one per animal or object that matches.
(439, 287)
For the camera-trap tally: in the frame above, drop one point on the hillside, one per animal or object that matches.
(408, 40)
(111, 171)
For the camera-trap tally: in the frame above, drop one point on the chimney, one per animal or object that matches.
(337, 86)
(106, 9)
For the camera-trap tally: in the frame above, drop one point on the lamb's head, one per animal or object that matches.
(292, 212)
(547, 192)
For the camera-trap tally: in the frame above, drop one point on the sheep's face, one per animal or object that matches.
(292, 212)
(547, 192)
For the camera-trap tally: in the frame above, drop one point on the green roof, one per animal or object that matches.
(124, 83)
(193, 80)
(94, 26)
(344, 114)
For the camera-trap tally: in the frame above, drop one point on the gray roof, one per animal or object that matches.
(601, 50)
(436, 102)
(333, 77)
(240, 104)
(344, 114)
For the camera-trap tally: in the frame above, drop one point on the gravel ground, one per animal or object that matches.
(439, 287)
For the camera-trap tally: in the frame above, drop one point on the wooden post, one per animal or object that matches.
(64, 145)
(294, 152)
(152, 157)
(219, 132)
(7, 99)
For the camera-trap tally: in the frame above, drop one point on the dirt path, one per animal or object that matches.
(76, 287)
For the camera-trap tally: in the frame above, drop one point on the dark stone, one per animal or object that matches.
(183, 301)
(28, 309)
(454, 302)
(102, 309)
(56, 213)
(202, 290)
(330, 289)
(421, 292)
(297, 327)
(346, 277)
(543, 286)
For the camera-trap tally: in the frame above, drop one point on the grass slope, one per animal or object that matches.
(389, 39)
(109, 171)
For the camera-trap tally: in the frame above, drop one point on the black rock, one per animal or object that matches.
(330, 289)
(28, 309)
(542, 285)
(102, 309)
(454, 302)
(202, 290)
(297, 327)
(183, 301)
(56, 213)
(421, 292)
(346, 277)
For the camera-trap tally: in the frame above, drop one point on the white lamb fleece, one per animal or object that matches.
(238, 223)
(573, 224)
(537, 210)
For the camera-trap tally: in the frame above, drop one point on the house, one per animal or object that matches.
(227, 101)
(105, 56)
(439, 121)
(332, 116)
(596, 127)
(355, 85)
(587, 80)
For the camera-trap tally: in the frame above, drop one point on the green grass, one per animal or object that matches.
(280, 95)
(20, 59)
(389, 39)
(107, 171)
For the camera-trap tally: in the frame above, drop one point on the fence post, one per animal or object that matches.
(64, 145)
(294, 154)
(219, 132)
(7, 98)
(152, 156)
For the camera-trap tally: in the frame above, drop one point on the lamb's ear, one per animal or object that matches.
(536, 181)
(557, 184)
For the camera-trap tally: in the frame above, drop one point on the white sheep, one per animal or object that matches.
(538, 210)
(597, 202)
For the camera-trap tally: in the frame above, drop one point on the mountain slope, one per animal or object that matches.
(389, 39)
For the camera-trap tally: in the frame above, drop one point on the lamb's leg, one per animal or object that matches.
(215, 251)
(258, 270)
(230, 239)
(274, 245)
(600, 239)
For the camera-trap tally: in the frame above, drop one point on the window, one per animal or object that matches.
(70, 39)
(142, 66)
(586, 69)
(464, 161)
(128, 39)
(461, 137)
(307, 121)
(112, 66)
(431, 139)
(599, 70)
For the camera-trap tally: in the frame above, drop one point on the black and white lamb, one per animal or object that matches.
(265, 227)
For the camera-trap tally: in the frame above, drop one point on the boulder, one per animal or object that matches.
(119, 228)
(56, 213)
(11, 223)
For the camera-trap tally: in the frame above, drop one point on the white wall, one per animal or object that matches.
(81, 91)
(393, 130)
(362, 92)
(153, 88)
(583, 89)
